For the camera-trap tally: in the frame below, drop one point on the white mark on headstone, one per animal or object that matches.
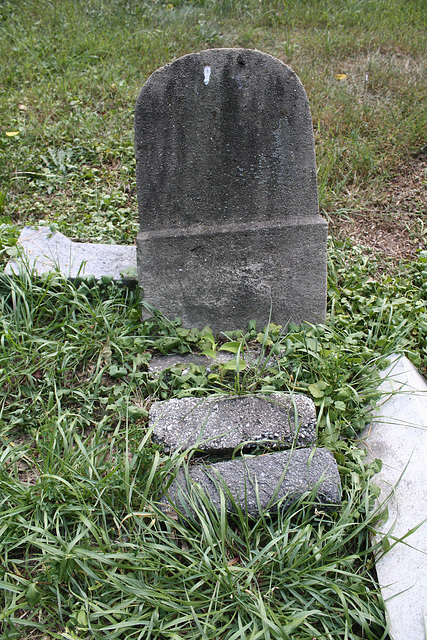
(207, 74)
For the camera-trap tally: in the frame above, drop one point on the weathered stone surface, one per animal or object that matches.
(259, 482)
(227, 193)
(224, 423)
(44, 251)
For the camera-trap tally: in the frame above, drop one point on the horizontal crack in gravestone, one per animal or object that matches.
(259, 483)
(220, 424)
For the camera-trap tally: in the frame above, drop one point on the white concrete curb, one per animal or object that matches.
(398, 437)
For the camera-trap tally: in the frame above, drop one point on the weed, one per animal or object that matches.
(83, 543)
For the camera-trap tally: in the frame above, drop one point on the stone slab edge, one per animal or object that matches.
(265, 483)
(398, 437)
(44, 251)
(252, 358)
(222, 424)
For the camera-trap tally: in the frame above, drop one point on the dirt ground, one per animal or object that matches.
(395, 224)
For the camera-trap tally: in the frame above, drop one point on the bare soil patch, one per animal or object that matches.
(394, 223)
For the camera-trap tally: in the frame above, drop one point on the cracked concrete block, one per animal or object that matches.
(219, 424)
(258, 483)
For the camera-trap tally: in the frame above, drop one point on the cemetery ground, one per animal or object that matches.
(84, 550)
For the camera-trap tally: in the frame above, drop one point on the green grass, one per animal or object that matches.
(71, 73)
(84, 550)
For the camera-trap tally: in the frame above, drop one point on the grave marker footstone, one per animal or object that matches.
(227, 194)
(221, 424)
(258, 483)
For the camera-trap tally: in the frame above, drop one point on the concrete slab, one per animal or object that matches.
(221, 424)
(44, 251)
(158, 364)
(398, 437)
(259, 482)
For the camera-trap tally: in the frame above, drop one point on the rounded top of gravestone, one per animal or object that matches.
(224, 136)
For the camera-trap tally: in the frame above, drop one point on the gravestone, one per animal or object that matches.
(227, 194)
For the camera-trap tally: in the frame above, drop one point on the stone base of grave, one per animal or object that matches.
(257, 484)
(222, 424)
(219, 425)
(255, 360)
(223, 277)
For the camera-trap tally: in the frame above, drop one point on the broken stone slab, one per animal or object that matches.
(259, 483)
(221, 424)
(161, 363)
(44, 251)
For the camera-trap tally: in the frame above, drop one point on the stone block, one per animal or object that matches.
(160, 363)
(221, 424)
(227, 194)
(44, 251)
(258, 483)
(224, 278)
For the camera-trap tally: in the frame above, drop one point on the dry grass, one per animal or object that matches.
(393, 220)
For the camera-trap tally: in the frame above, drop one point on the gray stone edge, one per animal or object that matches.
(41, 251)
(204, 484)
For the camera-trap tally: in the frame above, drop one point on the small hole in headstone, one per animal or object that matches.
(240, 60)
